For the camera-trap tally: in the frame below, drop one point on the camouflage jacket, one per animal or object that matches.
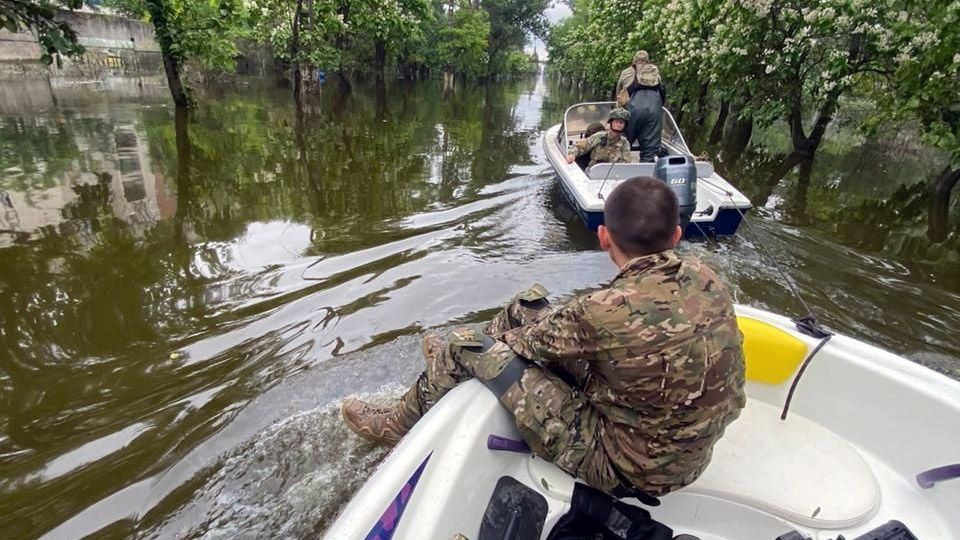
(602, 149)
(659, 355)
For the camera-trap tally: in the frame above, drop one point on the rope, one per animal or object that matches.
(807, 324)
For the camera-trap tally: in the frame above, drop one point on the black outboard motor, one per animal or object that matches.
(680, 173)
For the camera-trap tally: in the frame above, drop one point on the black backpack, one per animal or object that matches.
(597, 516)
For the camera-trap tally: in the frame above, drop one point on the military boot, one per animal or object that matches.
(384, 425)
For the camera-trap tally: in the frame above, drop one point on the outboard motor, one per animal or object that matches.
(680, 173)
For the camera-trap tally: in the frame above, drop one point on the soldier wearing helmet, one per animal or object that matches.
(640, 90)
(606, 146)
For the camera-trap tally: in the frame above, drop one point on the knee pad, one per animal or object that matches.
(497, 369)
(510, 374)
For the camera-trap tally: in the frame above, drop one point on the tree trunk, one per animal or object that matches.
(736, 134)
(380, 89)
(295, 56)
(380, 58)
(805, 146)
(679, 113)
(344, 79)
(171, 62)
(342, 44)
(717, 133)
(702, 104)
(177, 91)
(803, 186)
(939, 216)
(184, 215)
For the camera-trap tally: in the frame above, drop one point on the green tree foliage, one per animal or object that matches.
(790, 60)
(924, 85)
(201, 31)
(511, 22)
(39, 16)
(591, 44)
(347, 34)
(462, 43)
(784, 57)
(390, 24)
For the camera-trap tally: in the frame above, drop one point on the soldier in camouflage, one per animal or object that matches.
(606, 146)
(641, 71)
(641, 91)
(627, 388)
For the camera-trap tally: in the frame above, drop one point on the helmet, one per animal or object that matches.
(619, 114)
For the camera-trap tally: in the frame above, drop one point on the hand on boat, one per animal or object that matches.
(571, 159)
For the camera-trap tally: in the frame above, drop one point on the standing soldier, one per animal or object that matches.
(627, 388)
(641, 91)
(606, 146)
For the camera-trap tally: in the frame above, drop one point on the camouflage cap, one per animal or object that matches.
(641, 57)
(619, 114)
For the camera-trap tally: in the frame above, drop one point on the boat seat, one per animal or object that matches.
(622, 171)
(794, 469)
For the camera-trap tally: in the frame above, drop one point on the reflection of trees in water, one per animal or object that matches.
(37, 152)
(93, 286)
(871, 193)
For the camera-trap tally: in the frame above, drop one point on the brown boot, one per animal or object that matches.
(384, 425)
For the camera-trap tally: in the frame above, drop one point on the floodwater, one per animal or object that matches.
(184, 302)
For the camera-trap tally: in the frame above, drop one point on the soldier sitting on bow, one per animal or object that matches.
(583, 160)
(627, 388)
(608, 146)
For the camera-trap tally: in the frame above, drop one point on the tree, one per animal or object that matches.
(794, 56)
(300, 33)
(462, 44)
(389, 25)
(590, 45)
(924, 87)
(39, 16)
(204, 31)
(511, 21)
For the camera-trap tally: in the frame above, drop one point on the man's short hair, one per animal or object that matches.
(641, 214)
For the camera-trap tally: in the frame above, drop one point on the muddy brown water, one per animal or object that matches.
(182, 309)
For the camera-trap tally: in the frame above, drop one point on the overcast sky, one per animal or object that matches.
(554, 13)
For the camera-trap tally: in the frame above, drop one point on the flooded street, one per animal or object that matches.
(185, 301)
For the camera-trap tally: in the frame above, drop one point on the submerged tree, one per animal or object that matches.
(204, 31)
(925, 87)
(462, 44)
(39, 16)
(511, 22)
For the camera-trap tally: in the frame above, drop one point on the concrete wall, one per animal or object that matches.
(115, 46)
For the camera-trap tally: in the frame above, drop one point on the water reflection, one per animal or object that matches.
(173, 285)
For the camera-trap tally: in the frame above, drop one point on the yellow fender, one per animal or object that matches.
(771, 354)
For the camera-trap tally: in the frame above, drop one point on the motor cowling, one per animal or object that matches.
(680, 173)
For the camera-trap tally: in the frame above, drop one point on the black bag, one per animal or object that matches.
(594, 514)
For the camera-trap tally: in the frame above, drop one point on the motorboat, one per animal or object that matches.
(869, 449)
(720, 207)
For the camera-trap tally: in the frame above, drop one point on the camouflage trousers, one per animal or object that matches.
(554, 417)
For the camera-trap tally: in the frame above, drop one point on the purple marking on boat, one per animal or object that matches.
(496, 442)
(387, 524)
(927, 479)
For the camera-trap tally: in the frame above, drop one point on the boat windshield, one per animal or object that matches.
(581, 115)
